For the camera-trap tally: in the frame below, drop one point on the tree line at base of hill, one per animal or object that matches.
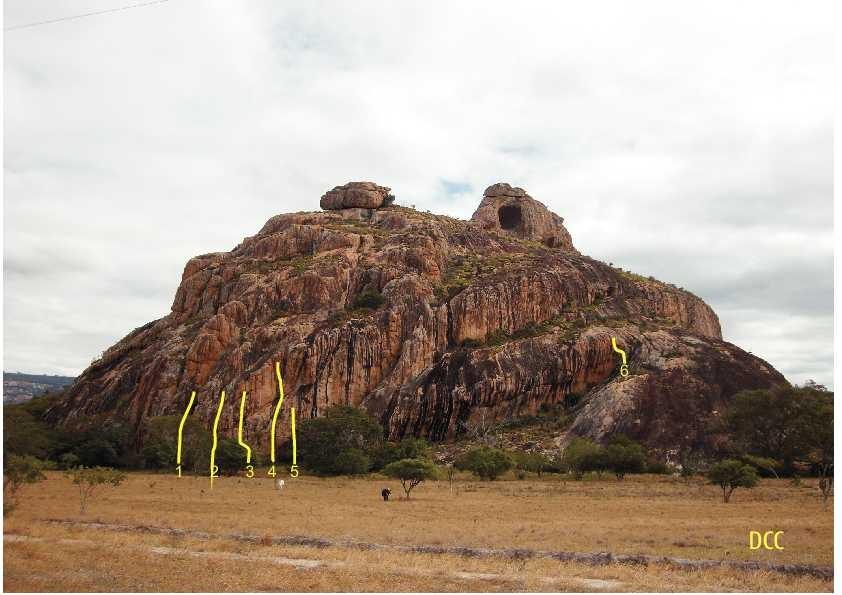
(784, 431)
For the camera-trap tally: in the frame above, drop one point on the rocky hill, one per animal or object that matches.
(428, 322)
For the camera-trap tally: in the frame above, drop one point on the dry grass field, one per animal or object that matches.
(654, 515)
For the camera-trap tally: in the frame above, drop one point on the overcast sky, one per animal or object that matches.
(689, 141)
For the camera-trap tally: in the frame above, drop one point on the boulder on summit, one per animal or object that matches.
(361, 195)
(511, 210)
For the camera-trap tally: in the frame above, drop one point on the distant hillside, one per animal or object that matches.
(18, 387)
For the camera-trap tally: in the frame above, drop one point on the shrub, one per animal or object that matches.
(89, 480)
(351, 462)
(624, 456)
(160, 443)
(408, 448)
(24, 433)
(301, 263)
(583, 455)
(485, 462)
(411, 472)
(456, 288)
(369, 299)
(230, 457)
(97, 452)
(99, 442)
(528, 331)
(498, 337)
(68, 460)
(520, 422)
(657, 467)
(768, 465)
(383, 455)
(102, 442)
(19, 470)
(730, 475)
(691, 462)
(571, 400)
(321, 440)
(470, 344)
(533, 462)
(785, 423)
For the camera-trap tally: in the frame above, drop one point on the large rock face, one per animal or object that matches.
(476, 318)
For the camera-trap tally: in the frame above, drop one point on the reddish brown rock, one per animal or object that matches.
(475, 317)
(512, 211)
(363, 195)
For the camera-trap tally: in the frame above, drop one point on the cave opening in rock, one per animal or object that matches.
(510, 217)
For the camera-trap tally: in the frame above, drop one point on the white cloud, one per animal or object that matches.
(690, 143)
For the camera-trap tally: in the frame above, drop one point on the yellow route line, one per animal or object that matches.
(277, 410)
(294, 456)
(618, 350)
(240, 430)
(215, 425)
(181, 427)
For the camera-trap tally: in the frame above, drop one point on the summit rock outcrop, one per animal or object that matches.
(513, 211)
(427, 322)
(362, 195)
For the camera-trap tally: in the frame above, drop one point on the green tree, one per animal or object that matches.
(781, 423)
(656, 466)
(19, 471)
(24, 434)
(230, 457)
(763, 463)
(90, 479)
(100, 442)
(322, 440)
(98, 452)
(730, 475)
(583, 455)
(160, 443)
(820, 446)
(533, 462)
(623, 456)
(370, 299)
(68, 460)
(691, 463)
(485, 462)
(351, 461)
(411, 472)
(408, 448)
